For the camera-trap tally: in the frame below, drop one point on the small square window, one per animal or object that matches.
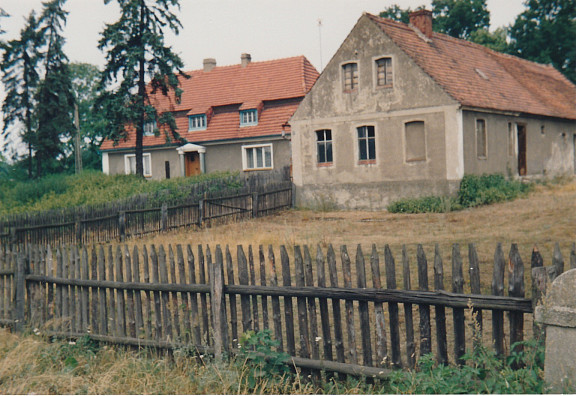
(350, 76)
(150, 128)
(248, 117)
(197, 122)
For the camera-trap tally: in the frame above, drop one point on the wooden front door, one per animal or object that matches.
(192, 163)
(522, 167)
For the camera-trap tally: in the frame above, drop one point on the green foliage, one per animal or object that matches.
(92, 188)
(474, 191)
(260, 359)
(68, 356)
(484, 373)
(135, 50)
(495, 40)
(460, 18)
(396, 13)
(545, 33)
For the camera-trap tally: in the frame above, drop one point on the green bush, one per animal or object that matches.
(474, 191)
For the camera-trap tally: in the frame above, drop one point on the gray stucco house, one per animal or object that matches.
(401, 111)
(229, 118)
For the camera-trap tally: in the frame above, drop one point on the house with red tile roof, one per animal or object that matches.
(402, 111)
(228, 118)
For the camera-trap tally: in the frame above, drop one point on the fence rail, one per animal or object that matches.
(328, 311)
(120, 223)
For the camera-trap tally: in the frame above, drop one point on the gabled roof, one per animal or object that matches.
(478, 77)
(273, 87)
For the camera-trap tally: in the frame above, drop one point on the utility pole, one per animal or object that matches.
(77, 146)
(320, 42)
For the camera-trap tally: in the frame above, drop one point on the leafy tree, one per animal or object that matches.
(546, 32)
(495, 40)
(20, 77)
(397, 13)
(135, 50)
(85, 79)
(460, 18)
(55, 95)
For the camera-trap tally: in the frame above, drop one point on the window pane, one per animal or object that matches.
(250, 158)
(146, 163)
(371, 148)
(259, 158)
(481, 138)
(329, 152)
(268, 157)
(132, 161)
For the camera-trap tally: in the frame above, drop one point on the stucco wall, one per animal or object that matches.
(414, 96)
(158, 157)
(549, 145)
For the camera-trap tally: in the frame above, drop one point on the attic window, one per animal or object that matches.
(481, 74)
(149, 128)
(197, 122)
(350, 76)
(384, 72)
(248, 117)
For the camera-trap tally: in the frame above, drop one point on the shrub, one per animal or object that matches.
(474, 191)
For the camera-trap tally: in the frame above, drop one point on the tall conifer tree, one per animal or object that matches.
(19, 69)
(135, 52)
(55, 95)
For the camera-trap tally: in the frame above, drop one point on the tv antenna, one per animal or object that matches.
(320, 42)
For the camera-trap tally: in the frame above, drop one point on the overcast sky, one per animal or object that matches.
(223, 29)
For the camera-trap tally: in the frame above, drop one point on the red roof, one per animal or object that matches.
(275, 87)
(479, 77)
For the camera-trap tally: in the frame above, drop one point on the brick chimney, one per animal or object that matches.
(422, 20)
(245, 59)
(209, 64)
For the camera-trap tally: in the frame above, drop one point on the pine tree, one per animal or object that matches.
(55, 95)
(20, 77)
(135, 50)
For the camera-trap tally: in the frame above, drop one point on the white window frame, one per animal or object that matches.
(248, 117)
(197, 122)
(146, 157)
(254, 166)
(149, 128)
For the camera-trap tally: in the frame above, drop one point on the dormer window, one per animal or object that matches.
(248, 117)
(350, 76)
(150, 128)
(197, 122)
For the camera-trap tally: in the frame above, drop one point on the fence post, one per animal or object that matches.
(122, 225)
(201, 207)
(164, 216)
(78, 229)
(13, 236)
(218, 303)
(20, 286)
(255, 204)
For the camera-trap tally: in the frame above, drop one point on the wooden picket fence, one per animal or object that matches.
(118, 222)
(329, 312)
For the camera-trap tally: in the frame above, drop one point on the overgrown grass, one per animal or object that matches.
(89, 188)
(474, 191)
(33, 364)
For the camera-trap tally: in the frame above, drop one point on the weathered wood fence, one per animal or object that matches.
(362, 316)
(118, 223)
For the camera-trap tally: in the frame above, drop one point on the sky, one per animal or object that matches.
(224, 29)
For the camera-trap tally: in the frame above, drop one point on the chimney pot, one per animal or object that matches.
(422, 20)
(209, 64)
(245, 59)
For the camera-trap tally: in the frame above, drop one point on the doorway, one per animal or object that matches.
(522, 166)
(192, 163)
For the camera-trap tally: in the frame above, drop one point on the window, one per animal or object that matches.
(248, 117)
(366, 144)
(511, 143)
(350, 76)
(257, 157)
(481, 142)
(415, 141)
(384, 72)
(197, 122)
(149, 128)
(324, 146)
(130, 164)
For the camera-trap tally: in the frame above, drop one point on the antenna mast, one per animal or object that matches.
(320, 42)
